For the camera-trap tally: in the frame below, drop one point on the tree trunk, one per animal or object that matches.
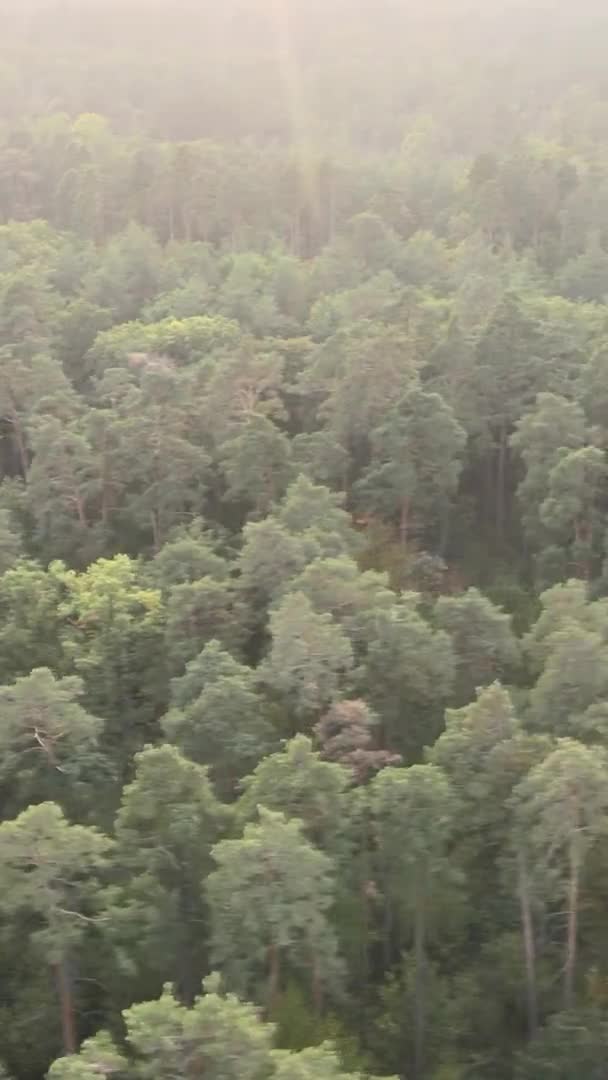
(364, 880)
(19, 441)
(105, 489)
(317, 987)
(274, 977)
(80, 510)
(582, 532)
(404, 522)
(487, 478)
(387, 924)
(156, 535)
(66, 1004)
(444, 530)
(501, 468)
(420, 984)
(332, 209)
(573, 890)
(527, 926)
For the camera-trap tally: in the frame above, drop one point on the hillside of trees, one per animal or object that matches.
(303, 540)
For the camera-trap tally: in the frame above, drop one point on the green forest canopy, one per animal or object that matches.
(303, 540)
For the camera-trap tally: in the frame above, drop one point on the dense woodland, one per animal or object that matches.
(303, 540)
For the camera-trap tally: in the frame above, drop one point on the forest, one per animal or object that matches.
(303, 540)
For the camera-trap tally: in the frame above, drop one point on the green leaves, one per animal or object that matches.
(561, 810)
(50, 872)
(564, 801)
(299, 784)
(96, 1056)
(414, 812)
(49, 744)
(408, 674)
(165, 1040)
(415, 461)
(270, 899)
(218, 717)
(115, 638)
(310, 657)
(482, 637)
(256, 463)
(167, 823)
(571, 1044)
(281, 339)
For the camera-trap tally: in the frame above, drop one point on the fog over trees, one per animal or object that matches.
(303, 540)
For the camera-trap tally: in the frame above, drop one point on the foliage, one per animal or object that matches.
(270, 898)
(303, 540)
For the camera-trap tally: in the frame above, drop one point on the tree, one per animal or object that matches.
(450, 368)
(168, 821)
(312, 510)
(154, 450)
(320, 457)
(50, 870)
(407, 676)
(482, 637)
(563, 606)
(165, 1039)
(346, 735)
(572, 1044)
(33, 618)
(188, 555)
(10, 542)
(424, 260)
(572, 508)
(245, 388)
(49, 744)
(358, 374)
(271, 557)
(310, 657)
(246, 294)
(351, 596)
(592, 388)
(393, 1035)
(256, 463)
(415, 463)
(313, 1063)
(31, 387)
(506, 380)
(96, 1055)
(270, 899)
(63, 490)
(298, 783)
(519, 861)
(115, 637)
(414, 811)
(127, 275)
(28, 308)
(371, 240)
(217, 716)
(76, 330)
(562, 805)
(569, 696)
(485, 753)
(310, 523)
(199, 612)
(584, 277)
(180, 342)
(541, 435)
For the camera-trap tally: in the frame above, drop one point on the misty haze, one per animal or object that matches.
(303, 540)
